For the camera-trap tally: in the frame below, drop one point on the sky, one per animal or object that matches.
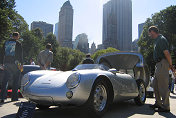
(88, 14)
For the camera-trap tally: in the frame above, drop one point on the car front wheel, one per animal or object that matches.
(99, 99)
(140, 99)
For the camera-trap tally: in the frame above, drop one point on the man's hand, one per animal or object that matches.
(21, 68)
(1, 67)
(171, 67)
(173, 70)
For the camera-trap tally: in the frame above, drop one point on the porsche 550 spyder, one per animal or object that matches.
(115, 77)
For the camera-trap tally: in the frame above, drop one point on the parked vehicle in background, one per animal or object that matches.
(26, 69)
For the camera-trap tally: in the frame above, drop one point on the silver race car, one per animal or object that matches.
(115, 77)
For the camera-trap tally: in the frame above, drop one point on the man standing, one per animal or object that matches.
(88, 60)
(163, 61)
(45, 57)
(12, 62)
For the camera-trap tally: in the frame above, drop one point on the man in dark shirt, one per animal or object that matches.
(163, 61)
(88, 60)
(12, 61)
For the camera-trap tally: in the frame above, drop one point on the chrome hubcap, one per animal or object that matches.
(142, 92)
(100, 98)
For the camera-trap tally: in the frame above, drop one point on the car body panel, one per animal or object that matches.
(127, 60)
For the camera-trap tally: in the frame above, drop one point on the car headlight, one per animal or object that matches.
(25, 80)
(73, 80)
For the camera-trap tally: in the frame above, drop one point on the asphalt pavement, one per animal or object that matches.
(118, 110)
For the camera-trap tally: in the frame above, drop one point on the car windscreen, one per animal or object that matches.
(91, 66)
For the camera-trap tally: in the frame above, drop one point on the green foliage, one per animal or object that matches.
(32, 45)
(51, 38)
(67, 59)
(10, 21)
(76, 58)
(101, 52)
(165, 21)
(38, 33)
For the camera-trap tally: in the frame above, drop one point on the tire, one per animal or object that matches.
(42, 107)
(99, 99)
(140, 99)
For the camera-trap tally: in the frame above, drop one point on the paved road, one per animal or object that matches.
(120, 110)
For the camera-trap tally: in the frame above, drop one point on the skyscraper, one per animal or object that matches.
(56, 31)
(140, 29)
(65, 26)
(93, 48)
(45, 27)
(117, 24)
(81, 43)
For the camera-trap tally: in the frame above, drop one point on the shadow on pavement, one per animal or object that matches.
(10, 116)
(127, 109)
(120, 110)
(60, 113)
(173, 97)
(117, 110)
(17, 104)
(167, 115)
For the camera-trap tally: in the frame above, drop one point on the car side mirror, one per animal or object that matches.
(113, 70)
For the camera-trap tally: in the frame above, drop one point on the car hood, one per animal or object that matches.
(49, 79)
(121, 60)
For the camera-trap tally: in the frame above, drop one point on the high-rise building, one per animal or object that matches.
(93, 48)
(81, 43)
(140, 29)
(117, 24)
(56, 31)
(135, 46)
(65, 25)
(100, 47)
(45, 27)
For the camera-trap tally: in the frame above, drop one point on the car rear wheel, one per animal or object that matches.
(42, 107)
(140, 99)
(99, 99)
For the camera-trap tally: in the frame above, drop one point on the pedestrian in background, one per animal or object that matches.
(32, 62)
(171, 81)
(12, 64)
(163, 61)
(88, 60)
(45, 58)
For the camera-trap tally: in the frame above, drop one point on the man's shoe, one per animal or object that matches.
(154, 106)
(161, 110)
(2, 101)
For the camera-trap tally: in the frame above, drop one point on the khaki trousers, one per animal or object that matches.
(160, 83)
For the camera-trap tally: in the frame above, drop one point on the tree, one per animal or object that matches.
(76, 58)
(67, 59)
(10, 21)
(32, 45)
(101, 52)
(51, 38)
(38, 33)
(7, 14)
(165, 21)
